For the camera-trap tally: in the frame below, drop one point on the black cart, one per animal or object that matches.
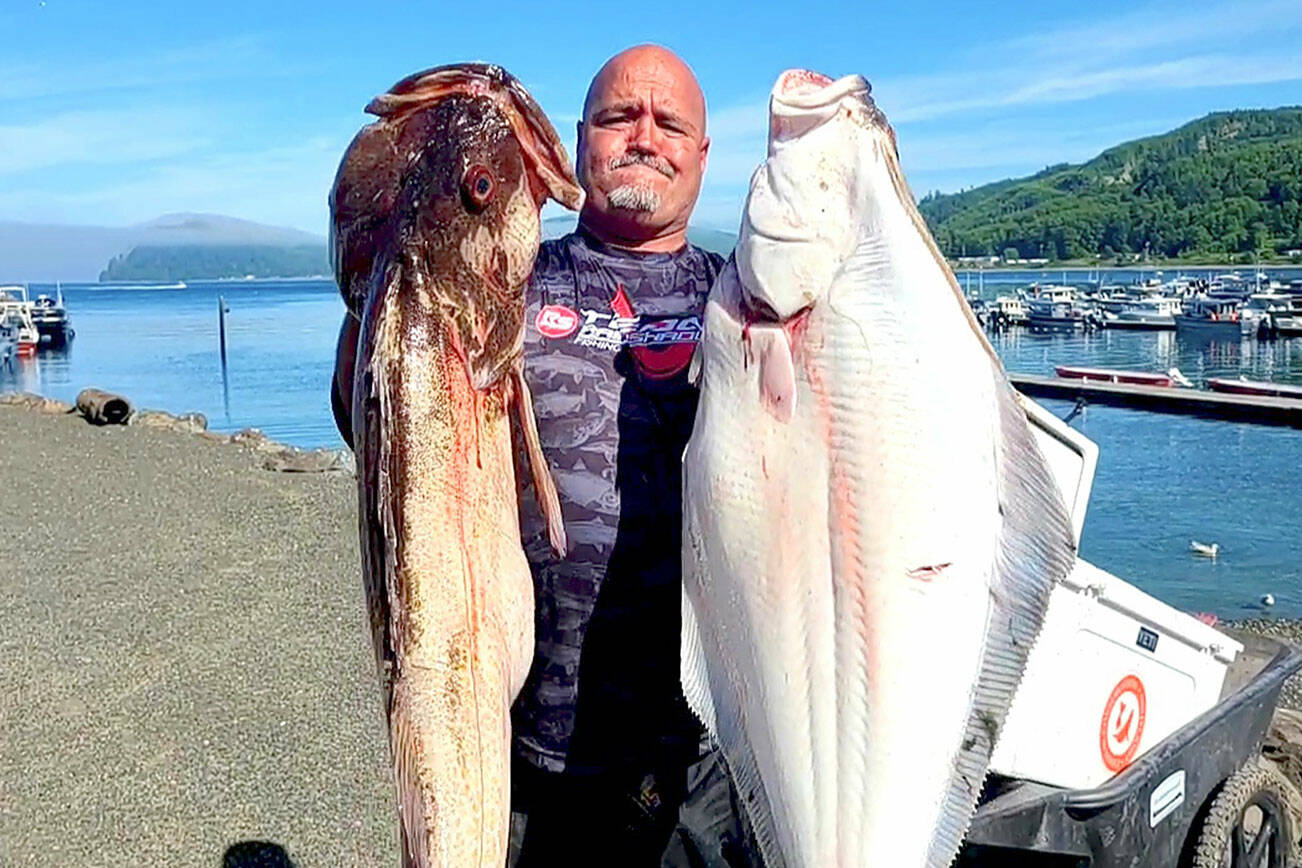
(1202, 798)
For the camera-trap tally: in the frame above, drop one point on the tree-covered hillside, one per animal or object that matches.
(1229, 183)
(210, 262)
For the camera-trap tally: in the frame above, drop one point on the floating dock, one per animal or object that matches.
(1268, 410)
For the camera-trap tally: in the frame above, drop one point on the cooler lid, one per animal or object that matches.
(1072, 458)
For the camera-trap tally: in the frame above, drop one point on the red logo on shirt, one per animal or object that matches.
(556, 321)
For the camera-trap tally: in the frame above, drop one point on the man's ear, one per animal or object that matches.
(578, 145)
(705, 152)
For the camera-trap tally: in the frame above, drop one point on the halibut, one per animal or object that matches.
(870, 531)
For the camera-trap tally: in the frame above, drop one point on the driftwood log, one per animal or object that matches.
(103, 408)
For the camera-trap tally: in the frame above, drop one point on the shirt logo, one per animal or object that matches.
(556, 321)
(661, 346)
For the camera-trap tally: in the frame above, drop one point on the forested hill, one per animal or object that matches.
(216, 261)
(1229, 183)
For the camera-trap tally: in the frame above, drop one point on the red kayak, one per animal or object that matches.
(1108, 375)
(1254, 387)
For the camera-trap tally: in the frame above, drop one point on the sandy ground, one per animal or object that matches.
(184, 673)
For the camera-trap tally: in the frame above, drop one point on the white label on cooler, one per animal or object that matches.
(1166, 797)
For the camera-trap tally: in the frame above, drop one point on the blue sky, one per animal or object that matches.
(115, 113)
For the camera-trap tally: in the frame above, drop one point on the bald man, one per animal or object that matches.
(611, 768)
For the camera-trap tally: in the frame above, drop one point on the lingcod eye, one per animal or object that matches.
(478, 186)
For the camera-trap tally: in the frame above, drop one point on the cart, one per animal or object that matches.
(1202, 798)
(1200, 794)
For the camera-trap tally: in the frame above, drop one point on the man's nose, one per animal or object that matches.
(646, 136)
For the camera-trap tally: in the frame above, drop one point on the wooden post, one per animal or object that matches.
(222, 310)
(221, 330)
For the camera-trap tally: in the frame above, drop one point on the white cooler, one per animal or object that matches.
(1114, 671)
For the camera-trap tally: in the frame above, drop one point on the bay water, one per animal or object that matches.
(1162, 480)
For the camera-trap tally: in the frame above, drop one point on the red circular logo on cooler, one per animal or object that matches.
(556, 321)
(1123, 723)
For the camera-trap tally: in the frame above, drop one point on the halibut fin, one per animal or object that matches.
(777, 369)
(694, 673)
(733, 740)
(1036, 549)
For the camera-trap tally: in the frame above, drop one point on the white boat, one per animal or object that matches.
(1230, 286)
(141, 287)
(1057, 315)
(16, 310)
(1269, 313)
(8, 342)
(1208, 316)
(1152, 312)
(1008, 310)
(1050, 306)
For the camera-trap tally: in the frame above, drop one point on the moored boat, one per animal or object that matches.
(1059, 315)
(51, 320)
(1152, 312)
(16, 310)
(1058, 308)
(1112, 375)
(8, 342)
(1243, 386)
(1210, 317)
(1008, 310)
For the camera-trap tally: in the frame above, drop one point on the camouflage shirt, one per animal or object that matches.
(608, 337)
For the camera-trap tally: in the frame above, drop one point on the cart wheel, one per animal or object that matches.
(1248, 824)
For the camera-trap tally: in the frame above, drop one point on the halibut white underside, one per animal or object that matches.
(863, 581)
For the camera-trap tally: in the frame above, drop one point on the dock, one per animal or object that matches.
(1261, 409)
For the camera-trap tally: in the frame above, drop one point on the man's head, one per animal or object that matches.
(642, 148)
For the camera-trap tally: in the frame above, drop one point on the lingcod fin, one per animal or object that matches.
(543, 485)
(1036, 549)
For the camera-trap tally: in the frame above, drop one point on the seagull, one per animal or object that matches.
(1204, 549)
(1267, 599)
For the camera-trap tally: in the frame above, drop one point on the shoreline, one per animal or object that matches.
(187, 671)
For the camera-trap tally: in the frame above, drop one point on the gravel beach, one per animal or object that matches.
(186, 679)
(185, 676)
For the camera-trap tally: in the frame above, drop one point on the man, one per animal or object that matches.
(610, 767)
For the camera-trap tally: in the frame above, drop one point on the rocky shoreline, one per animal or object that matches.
(1287, 629)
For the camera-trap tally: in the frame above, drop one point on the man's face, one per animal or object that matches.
(642, 144)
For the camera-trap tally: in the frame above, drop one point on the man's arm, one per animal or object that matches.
(341, 387)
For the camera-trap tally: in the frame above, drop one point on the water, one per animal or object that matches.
(160, 348)
(1162, 480)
